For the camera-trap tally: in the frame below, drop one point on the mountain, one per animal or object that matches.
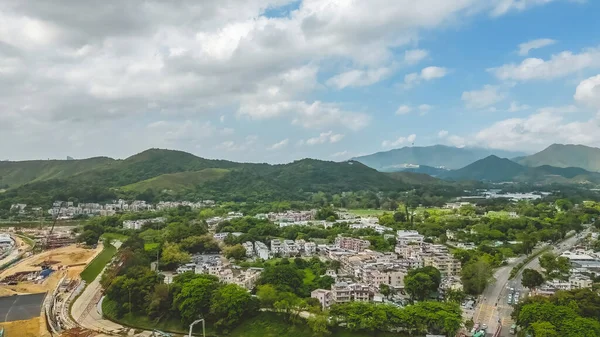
(438, 156)
(491, 168)
(559, 155)
(495, 169)
(23, 172)
(175, 174)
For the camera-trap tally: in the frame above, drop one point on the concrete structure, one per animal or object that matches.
(324, 296)
(405, 237)
(357, 245)
(262, 251)
(276, 247)
(249, 248)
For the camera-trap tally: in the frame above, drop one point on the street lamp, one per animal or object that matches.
(194, 323)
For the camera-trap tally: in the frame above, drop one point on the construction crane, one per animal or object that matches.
(45, 246)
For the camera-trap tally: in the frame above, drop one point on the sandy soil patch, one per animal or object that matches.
(28, 328)
(59, 258)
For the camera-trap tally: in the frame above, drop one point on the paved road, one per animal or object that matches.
(493, 308)
(516, 282)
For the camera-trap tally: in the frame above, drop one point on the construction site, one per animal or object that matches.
(43, 277)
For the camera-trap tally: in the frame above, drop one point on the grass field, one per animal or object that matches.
(114, 237)
(309, 276)
(145, 323)
(150, 246)
(367, 212)
(96, 266)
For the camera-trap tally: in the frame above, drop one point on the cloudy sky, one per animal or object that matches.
(278, 80)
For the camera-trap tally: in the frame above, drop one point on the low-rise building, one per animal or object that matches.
(357, 245)
(262, 251)
(406, 237)
(249, 248)
(310, 248)
(324, 296)
(276, 247)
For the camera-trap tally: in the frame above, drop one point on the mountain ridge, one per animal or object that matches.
(565, 155)
(436, 156)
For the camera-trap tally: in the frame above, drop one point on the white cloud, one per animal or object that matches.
(222, 119)
(525, 47)
(403, 110)
(279, 145)
(232, 146)
(483, 98)
(559, 65)
(536, 131)
(426, 74)
(588, 92)
(325, 137)
(399, 141)
(313, 115)
(415, 56)
(442, 134)
(425, 108)
(341, 154)
(516, 107)
(358, 78)
(501, 7)
(192, 60)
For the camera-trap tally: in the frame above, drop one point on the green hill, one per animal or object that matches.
(177, 182)
(496, 169)
(559, 155)
(158, 173)
(435, 156)
(18, 173)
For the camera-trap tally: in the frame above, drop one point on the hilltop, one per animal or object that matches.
(495, 169)
(436, 156)
(179, 174)
(559, 155)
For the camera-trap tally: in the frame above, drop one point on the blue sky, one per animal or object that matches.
(279, 80)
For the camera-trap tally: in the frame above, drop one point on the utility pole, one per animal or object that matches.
(203, 327)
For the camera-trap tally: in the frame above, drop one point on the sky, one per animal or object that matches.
(279, 80)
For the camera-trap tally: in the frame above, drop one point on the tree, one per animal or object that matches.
(89, 237)
(419, 286)
(284, 277)
(543, 329)
(237, 252)
(195, 296)
(532, 278)
(469, 324)
(385, 290)
(475, 276)
(555, 267)
(160, 301)
(200, 244)
(335, 265)
(230, 304)
(456, 296)
(172, 255)
(318, 324)
(267, 294)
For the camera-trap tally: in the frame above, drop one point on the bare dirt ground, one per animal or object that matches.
(68, 261)
(28, 328)
(68, 256)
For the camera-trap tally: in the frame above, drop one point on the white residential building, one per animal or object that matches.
(290, 248)
(262, 251)
(310, 248)
(249, 248)
(405, 237)
(276, 247)
(324, 296)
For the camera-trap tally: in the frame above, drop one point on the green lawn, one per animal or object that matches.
(95, 267)
(145, 323)
(367, 212)
(150, 246)
(309, 276)
(114, 237)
